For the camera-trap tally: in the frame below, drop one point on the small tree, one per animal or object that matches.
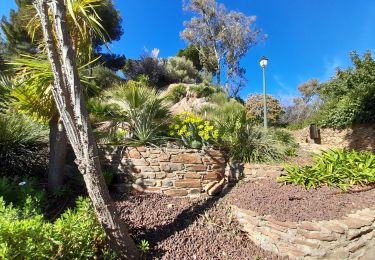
(67, 93)
(179, 69)
(221, 37)
(254, 107)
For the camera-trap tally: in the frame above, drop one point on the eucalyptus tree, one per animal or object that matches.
(69, 100)
(222, 37)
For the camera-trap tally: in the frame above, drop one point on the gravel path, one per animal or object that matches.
(295, 203)
(187, 229)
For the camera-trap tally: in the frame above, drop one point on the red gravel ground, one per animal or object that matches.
(295, 203)
(187, 229)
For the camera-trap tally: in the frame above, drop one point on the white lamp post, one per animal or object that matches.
(263, 63)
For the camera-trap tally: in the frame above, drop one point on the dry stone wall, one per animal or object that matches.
(174, 172)
(352, 237)
(360, 137)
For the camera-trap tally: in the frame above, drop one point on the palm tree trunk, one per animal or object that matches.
(57, 154)
(71, 106)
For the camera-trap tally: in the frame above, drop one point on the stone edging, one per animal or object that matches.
(351, 237)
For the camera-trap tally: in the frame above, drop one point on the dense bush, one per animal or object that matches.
(193, 131)
(254, 107)
(145, 112)
(176, 92)
(22, 143)
(350, 95)
(340, 168)
(24, 234)
(179, 69)
(205, 90)
(243, 141)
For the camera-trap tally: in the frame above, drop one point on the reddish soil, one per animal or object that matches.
(295, 203)
(187, 229)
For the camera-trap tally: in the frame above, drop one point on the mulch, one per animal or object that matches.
(181, 228)
(295, 203)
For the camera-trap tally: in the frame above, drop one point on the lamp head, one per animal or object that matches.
(263, 61)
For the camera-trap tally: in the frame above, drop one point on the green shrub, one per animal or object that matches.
(339, 167)
(24, 234)
(145, 112)
(203, 90)
(17, 190)
(176, 93)
(108, 176)
(254, 144)
(193, 131)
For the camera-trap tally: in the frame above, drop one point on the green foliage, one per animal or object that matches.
(108, 176)
(146, 113)
(17, 133)
(254, 144)
(24, 234)
(144, 246)
(349, 96)
(191, 53)
(339, 168)
(193, 131)
(104, 77)
(203, 90)
(16, 191)
(102, 110)
(179, 69)
(176, 93)
(255, 107)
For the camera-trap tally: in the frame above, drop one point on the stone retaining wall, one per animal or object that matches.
(360, 137)
(352, 237)
(174, 172)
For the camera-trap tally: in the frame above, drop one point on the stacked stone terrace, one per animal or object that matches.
(174, 172)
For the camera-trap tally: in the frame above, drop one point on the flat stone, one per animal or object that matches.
(150, 169)
(171, 167)
(209, 185)
(335, 227)
(134, 154)
(309, 226)
(176, 192)
(196, 167)
(212, 176)
(305, 243)
(160, 175)
(139, 162)
(141, 149)
(216, 189)
(356, 223)
(187, 158)
(353, 235)
(164, 157)
(137, 187)
(187, 183)
(288, 224)
(316, 236)
(192, 175)
(357, 246)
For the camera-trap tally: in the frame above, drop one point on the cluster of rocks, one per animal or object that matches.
(174, 172)
(351, 237)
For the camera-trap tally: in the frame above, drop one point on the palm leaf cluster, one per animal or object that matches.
(145, 112)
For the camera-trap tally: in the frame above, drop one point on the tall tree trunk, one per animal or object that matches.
(57, 154)
(70, 104)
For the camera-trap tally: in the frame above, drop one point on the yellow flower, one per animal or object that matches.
(188, 134)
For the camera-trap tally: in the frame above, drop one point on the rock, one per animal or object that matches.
(209, 185)
(186, 158)
(217, 188)
(175, 192)
(188, 183)
(138, 187)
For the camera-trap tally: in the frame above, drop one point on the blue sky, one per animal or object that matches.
(306, 38)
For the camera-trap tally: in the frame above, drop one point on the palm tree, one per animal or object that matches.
(35, 77)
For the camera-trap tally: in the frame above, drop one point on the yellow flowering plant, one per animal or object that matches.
(193, 131)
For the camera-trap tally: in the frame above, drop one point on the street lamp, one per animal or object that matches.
(263, 63)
